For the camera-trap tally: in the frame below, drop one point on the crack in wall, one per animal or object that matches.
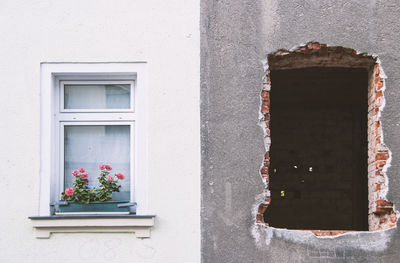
(382, 214)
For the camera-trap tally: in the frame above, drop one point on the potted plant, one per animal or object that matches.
(82, 198)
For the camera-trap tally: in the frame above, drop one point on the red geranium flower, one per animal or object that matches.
(120, 176)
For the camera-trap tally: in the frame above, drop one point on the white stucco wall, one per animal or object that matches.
(165, 34)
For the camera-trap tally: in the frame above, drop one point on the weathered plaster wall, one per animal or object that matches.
(165, 34)
(235, 39)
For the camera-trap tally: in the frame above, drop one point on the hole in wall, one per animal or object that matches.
(325, 164)
(318, 119)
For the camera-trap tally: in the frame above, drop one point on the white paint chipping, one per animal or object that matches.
(385, 190)
(369, 241)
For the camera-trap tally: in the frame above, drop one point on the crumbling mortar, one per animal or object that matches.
(260, 227)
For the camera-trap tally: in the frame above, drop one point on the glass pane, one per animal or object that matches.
(117, 96)
(90, 146)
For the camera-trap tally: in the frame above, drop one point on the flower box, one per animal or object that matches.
(97, 207)
(82, 199)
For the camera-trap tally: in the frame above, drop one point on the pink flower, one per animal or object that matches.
(81, 170)
(84, 175)
(87, 180)
(108, 167)
(102, 166)
(110, 178)
(74, 173)
(69, 191)
(120, 176)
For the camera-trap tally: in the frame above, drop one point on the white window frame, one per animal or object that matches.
(54, 74)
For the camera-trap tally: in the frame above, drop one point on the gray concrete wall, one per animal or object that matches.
(236, 36)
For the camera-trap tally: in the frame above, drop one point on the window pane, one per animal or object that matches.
(89, 146)
(97, 96)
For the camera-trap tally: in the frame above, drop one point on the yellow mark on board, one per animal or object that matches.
(282, 193)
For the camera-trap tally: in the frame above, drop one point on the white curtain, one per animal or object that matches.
(88, 146)
(97, 96)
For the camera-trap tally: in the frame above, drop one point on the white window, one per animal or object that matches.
(92, 114)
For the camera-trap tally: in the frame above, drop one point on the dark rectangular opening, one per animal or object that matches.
(319, 150)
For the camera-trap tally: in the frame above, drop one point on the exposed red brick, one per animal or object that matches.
(259, 218)
(328, 232)
(382, 156)
(383, 207)
(265, 94)
(380, 164)
(264, 170)
(265, 110)
(377, 70)
(268, 79)
(380, 85)
(316, 45)
(378, 187)
(382, 211)
(382, 220)
(338, 232)
(393, 218)
(262, 208)
(384, 203)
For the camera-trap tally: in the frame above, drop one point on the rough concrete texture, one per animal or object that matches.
(236, 36)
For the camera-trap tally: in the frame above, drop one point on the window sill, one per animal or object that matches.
(138, 224)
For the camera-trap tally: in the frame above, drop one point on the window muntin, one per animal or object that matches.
(97, 96)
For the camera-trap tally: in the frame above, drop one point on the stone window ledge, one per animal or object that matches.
(138, 224)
